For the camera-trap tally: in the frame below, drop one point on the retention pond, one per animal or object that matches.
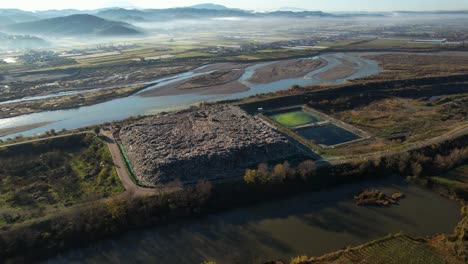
(327, 134)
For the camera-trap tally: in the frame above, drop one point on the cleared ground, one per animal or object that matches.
(423, 118)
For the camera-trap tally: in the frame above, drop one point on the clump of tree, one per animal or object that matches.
(99, 219)
(279, 173)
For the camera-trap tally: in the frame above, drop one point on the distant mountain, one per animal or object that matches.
(291, 9)
(17, 15)
(75, 25)
(201, 11)
(121, 14)
(296, 14)
(209, 6)
(60, 13)
(6, 21)
(442, 12)
(362, 14)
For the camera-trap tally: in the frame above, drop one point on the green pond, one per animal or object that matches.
(294, 118)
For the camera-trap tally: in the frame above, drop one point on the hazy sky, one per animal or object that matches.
(325, 5)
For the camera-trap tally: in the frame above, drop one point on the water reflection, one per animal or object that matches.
(313, 224)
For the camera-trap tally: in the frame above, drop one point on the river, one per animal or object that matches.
(122, 108)
(310, 223)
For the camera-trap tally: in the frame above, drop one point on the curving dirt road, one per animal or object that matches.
(121, 168)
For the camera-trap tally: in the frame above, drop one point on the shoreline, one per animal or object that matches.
(71, 101)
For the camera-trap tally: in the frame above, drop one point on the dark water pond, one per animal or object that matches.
(312, 224)
(327, 134)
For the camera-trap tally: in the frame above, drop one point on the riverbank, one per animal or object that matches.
(66, 102)
(19, 129)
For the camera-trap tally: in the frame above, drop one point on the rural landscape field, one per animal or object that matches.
(267, 132)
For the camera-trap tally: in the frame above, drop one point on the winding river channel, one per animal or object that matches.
(122, 108)
(311, 224)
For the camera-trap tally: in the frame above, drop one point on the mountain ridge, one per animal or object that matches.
(78, 24)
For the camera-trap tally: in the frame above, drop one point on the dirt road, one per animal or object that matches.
(126, 179)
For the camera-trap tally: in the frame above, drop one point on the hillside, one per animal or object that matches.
(10, 16)
(74, 25)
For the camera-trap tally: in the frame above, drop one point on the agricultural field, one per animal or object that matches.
(55, 173)
(294, 118)
(394, 249)
(392, 44)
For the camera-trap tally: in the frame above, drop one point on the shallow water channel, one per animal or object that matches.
(311, 223)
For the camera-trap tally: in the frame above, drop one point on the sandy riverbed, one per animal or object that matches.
(344, 70)
(217, 82)
(286, 70)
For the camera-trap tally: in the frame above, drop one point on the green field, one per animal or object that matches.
(294, 118)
